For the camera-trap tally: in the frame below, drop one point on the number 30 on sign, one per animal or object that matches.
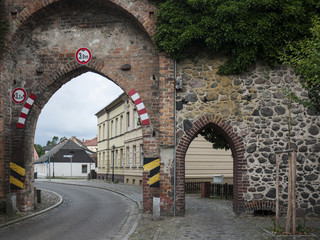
(19, 95)
(83, 56)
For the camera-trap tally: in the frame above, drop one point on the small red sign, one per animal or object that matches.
(19, 95)
(83, 56)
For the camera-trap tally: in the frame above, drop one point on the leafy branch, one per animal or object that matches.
(244, 30)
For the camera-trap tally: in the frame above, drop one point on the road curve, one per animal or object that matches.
(86, 213)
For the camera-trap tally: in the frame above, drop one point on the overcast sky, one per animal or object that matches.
(71, 110)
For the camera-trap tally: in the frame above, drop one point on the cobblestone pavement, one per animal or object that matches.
(204, 218)
(209, 219)
(48, 199)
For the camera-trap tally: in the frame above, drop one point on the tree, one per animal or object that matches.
(243, 30)
(304, 57)
(217, 139)
(39, 150)
(53, 142)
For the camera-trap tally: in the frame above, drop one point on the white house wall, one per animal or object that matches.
(63, 169)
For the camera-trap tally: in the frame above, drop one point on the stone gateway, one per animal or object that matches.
(249, 110)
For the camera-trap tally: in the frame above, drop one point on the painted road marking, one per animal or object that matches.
(25, 110)
(140, 107)
(153, 165)
(17, 174)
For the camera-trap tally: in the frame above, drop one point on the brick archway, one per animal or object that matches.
(142, 11)
(40, 57)
(239, 164)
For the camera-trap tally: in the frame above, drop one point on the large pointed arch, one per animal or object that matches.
(237, 147)
(42, 68)
(141, 11)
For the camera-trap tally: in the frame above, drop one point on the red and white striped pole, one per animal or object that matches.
(140, 107)
(25, 110)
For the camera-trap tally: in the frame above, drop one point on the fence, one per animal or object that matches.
(216, 190)
(193, 187)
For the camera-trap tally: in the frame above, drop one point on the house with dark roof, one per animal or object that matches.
(66, 159)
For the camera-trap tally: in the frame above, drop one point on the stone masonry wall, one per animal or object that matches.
(255, 106)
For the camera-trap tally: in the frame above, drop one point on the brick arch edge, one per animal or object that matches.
(236, 144)
(142, 11)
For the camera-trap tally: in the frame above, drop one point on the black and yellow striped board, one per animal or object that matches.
(17, 174)
(152, 165)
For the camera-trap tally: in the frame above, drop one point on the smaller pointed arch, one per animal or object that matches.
(237, 148)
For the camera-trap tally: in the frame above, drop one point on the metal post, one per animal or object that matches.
(53, 169)
(277, 190)
(71, 165)
(175, 142)
(49, 168)
(113, 147)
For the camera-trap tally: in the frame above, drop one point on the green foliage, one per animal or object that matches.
(217, 139)
(39, 150)
(304, 57)
(244, 30)
(53, 142)
(275, 229)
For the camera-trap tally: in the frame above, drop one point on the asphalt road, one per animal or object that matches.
(86, 213)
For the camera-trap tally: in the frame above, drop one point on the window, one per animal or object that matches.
(128, 121)
(121, 157)
(141, 155)
(135, 118)
(111, 129)
(121, 124)
(99, 161)
(103, 159)
(134, 156)
(116, 128)
(103, 131)
(84, 168)
(100, 133)
(128, 156)
(116, 158)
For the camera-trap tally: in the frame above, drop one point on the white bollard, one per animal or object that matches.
(156, 208)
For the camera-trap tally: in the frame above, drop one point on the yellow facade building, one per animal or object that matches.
(120, 149)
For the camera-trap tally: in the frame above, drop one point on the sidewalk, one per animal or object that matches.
(49, 200)
(204, 218)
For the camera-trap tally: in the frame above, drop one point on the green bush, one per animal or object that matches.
(244, 30)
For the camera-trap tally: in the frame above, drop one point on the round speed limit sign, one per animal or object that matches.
(19, 95)
(83, 56)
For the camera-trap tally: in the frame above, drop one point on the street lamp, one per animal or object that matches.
(113, 147)
(70, 155)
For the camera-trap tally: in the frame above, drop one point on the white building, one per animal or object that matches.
(66, 159)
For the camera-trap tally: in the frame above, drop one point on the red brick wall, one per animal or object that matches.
(24, 55)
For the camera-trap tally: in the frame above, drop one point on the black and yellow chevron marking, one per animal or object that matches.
(153, 165)
(17, 175)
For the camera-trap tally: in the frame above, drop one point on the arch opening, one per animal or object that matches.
(236, 146)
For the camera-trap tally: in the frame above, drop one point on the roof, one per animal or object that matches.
(66, 147)
(92, 142)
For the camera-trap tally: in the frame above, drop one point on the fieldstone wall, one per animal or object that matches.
(255, 106)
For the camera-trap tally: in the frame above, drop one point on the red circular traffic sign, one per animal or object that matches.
(83, 55)
(19, 95)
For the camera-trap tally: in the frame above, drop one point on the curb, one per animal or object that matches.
(134, 226)
(36, 213)
(307, 236)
